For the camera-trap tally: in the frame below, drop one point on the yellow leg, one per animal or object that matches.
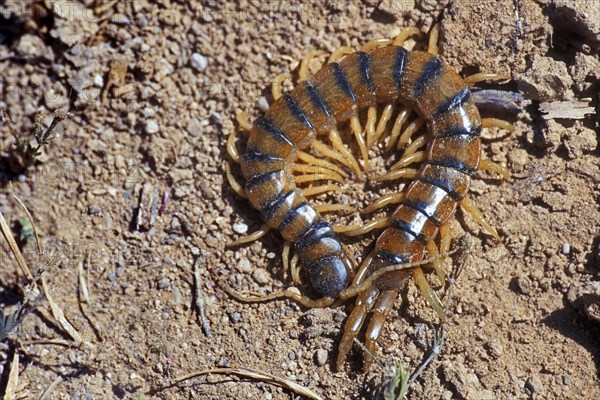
(477, 215)
(433, 39)
(232, 148)
(409, 173)
(277, 85)
(427, 292)
(338, 144)
(497, 123)
(393, 198)
(491, 166)
(433, 252)
(295, 269)
(304, 72)
(339, 53)
(372, 44)
(386, 115)
(417, 156)
(397, 128)
(315, 190)
(252, 237)
(481, 76)
(235, 185)
(315, 177)
(334, 154)
(416, 144)
(310, 159)
(410, 130)
(316, 170)
(357, 230)
(405, 34)
(323, 208)
(243, 118)
(445, 238)
(357, 130)
(370, 127)
(285, 256)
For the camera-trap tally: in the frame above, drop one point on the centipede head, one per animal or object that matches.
(328, 276)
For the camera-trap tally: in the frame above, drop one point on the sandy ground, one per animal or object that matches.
(520, 324)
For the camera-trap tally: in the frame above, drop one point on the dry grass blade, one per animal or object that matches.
(51, 388)
(13, 379)
(8, 236)
(259, 376)
(59, 316)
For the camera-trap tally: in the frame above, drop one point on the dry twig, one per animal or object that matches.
(246, 373)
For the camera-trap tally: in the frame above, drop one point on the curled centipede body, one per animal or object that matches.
(337, 92)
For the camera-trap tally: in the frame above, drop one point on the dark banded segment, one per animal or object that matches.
(263, 190)
(256, 163)
(316, 98)
(298, 221)
(431, 71)
(453, 182)
(267, 125)
(255, 155)
(296, 111)
(279, 207)
(451, 162)
(410, 228)
(459, 130)
(318, 231)
(457, 101)
(364, 65)
(391, 257)
(399, 65)
(342, 82)
(267, 138)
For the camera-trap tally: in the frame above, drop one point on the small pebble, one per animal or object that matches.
(151, 127)
(292, 355)
(566, 249)
(94, 209)
(244, 266)
(321, 357)
(236, 316)
(240, 227)
(263, 104)
(261, 276)
(112, 276)
(198, 62)
(164, 284)
(224, 362)
(532, 384)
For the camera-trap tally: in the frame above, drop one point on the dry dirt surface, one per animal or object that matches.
(131, 190)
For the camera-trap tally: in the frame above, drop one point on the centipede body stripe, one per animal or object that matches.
(338, 91)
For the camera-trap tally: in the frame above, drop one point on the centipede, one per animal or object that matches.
(383, 78)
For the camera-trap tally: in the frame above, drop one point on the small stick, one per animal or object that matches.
(8, 236)
(436, 348)
(200, 298)
(363, 348)
(246, 373)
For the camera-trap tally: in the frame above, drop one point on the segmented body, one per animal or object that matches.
(337, 92)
